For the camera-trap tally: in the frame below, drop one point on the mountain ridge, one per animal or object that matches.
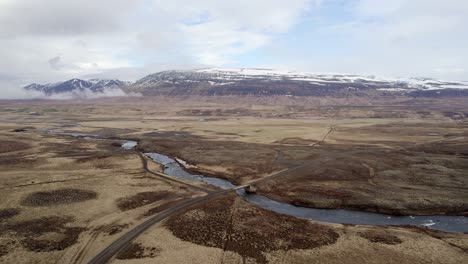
(242, 81)
(253, 82)
(79, 88)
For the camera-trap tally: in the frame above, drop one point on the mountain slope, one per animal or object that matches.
(80, 88)
(208, 82)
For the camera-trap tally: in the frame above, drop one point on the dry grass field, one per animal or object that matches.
(63, 199)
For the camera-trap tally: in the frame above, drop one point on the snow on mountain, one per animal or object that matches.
(415, 83)
(238, 81)
(77, 88)
(252, 82)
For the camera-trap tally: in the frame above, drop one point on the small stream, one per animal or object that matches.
(128, 145)
(173, 168)
(339, 216)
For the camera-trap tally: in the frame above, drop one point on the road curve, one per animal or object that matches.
(105, 255)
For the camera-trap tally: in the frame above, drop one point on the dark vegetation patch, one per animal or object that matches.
(16, 160)
(113, 132)
(137, 251)
(116, 144)
(45, 234)
(112, 229)
(168, 134)
(141, 199)
(248, 230)
(69, 237)
(225, 133)
(40, 225)
(98, 160)
(9, 213)
(57, 197)
(98, 156)
(381, 237)
(3, 250)
(345, 176)
(50, 110)
(5, 247)
(426, 231)
(23, 129)
(9, 146)
(243, 159)
(160, 208)
(296, 141)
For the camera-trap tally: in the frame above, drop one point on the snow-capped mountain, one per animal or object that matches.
(80, 88)
(271, 82)
(252, 82)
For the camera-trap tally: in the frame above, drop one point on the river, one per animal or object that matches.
(340, 216)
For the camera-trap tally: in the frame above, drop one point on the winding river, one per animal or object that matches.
(339, 216)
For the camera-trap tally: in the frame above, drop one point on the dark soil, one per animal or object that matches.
(31, 231)
(3, 250)
(160, 208)
(168, 134)
(40, 225)
(9, 213)
(141, 199)
(296, 141)
(116, 144)
(248, 230)
(112, 229)
(17, 160)
(57, 197)
(246, 159)
(137, 251)
(381, 237)
(71, 235)
(404, 182)
(98, 156)
(5, 247)
(9, 146)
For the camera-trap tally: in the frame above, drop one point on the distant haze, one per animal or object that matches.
(55, 40)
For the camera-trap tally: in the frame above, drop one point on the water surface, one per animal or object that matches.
(339, 216)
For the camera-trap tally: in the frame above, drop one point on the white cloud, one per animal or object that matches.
(51, 40)
(398, 38)
(214, 32)
(217, 43)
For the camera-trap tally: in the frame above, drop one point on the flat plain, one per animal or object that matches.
(64, 199)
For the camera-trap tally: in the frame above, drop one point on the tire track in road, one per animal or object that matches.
(324, 138)
(105, 255)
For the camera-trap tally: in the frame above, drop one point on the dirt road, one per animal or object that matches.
(105, 255)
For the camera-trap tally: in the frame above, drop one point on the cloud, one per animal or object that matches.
(400, 38)
(57, 17)
(53, 40)
(57, 63)
(10, 91)
(54, 62)
(217, 43)
(86, 94)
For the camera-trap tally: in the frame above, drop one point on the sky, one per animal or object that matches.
(54, 40)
